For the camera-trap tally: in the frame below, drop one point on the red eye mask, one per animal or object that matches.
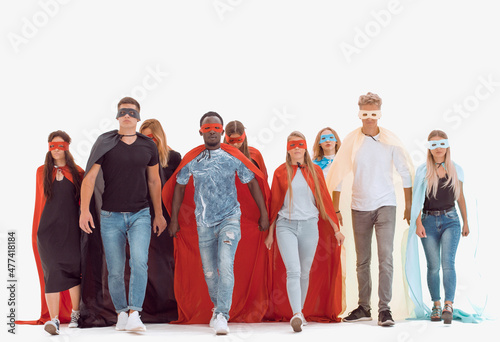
(296, 143)
(211, 127)
(152, 137)
(237, 140)
(60, 145)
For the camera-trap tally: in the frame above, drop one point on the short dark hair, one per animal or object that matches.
(211, 114)
(130, 100)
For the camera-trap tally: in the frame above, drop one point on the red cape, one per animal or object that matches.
(257, 157)
(251, 271)
(325, 296)
(65, 306)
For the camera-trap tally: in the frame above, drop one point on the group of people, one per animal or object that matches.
(252, 244)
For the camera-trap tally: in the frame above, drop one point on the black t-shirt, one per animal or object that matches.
(445, 197)
(125, 175)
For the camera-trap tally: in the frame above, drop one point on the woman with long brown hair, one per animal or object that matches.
(56, 233)
(325, 148)
(235, 136)
(299, 200)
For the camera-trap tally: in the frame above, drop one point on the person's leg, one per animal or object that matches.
(362, 224)
(75, 294)
(431, 245)
(114, 239)
(52, 300)
(207, 242)
(385, 225)
(139, 236)
(308, 236)
(450, 238)
(286, 236)
(229, 234)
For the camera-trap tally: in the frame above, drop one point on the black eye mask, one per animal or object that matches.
(131, 112)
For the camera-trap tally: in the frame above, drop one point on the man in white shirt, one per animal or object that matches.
(375, 151)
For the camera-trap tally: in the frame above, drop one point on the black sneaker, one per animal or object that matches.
(357, 315)
(385, 318)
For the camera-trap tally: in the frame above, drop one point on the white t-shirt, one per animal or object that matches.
(373, 185)
(303, 201)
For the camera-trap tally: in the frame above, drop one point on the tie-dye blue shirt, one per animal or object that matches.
(215, 193)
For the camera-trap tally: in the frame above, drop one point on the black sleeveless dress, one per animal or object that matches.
(58, 238)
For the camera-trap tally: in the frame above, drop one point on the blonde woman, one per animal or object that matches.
(299, 199)
(326, 146)
(438, 184)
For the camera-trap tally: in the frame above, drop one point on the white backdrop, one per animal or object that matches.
(277, 66)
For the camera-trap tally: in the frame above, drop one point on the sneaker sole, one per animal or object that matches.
(221, 332)
(136, 329)
(437, 319)
(73, 326)
(357, 320)
(51, 330)
(386, 323)
(296, 324)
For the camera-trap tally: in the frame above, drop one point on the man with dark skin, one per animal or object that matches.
(217, 212)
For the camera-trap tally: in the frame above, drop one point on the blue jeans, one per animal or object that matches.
(116, 228)
(217, 250)
(297, 242)
(440, 246)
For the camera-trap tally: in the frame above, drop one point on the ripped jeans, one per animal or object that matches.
(217, 250)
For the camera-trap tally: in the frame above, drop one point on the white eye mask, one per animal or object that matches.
(369, 114)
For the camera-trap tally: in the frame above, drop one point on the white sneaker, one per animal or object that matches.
(220, 325)
(121, 323)
(296, 322)
(211, 324)
(304, 322)
(75, 315)
(52, 326)
(134, 322)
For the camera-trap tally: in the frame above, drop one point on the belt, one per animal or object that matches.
(438, 212)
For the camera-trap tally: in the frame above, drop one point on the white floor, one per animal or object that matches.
(403, 331)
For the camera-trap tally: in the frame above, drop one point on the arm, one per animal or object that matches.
(270, 236)
(336, 206)
(408, 196)
(463, 210)
(154, 185)
(254, 188)
(420, 231)
(87, 189)
(173, 227)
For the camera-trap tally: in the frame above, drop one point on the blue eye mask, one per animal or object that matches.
(327, 137)
(130, 111)
(433, 144)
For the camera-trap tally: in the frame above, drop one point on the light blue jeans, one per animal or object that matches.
(116, 228)
(440, 247)
(297, 242)
(217, 250)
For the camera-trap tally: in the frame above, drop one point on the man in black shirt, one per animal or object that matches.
(129, 164)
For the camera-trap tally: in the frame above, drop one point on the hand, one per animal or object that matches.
(340, 238)
(159, 224)
(173, 228)
(407, 216)
(86, 222)
(420, 230)
(339, 217)
(269, 240)
(263, 223)
(465, 230)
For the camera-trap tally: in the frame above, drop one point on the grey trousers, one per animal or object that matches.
(383, 220)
